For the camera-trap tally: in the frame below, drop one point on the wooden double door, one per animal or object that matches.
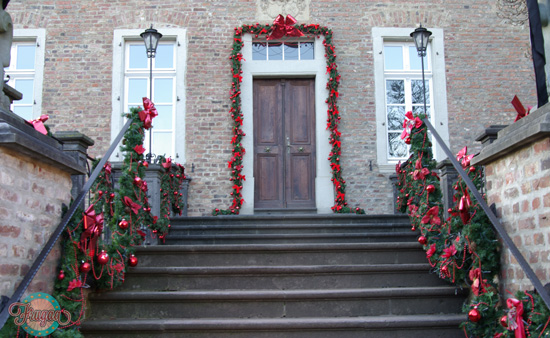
(284, 143)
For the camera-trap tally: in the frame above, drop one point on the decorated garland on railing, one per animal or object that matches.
(278, 29)
(94, 258)
(463, 249)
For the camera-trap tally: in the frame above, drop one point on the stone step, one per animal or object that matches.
(175, 238)
(412, 326)
(292, 220)
(280, 277)
(280, 254)
(277, 303)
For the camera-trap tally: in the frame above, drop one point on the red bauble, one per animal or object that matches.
(422, 240)
(137, 181)
(132, 261)
(504, 321)
(413, 228)
(474, 315)
(408, 140)
(61, 275)
(123, 224)
(430, 188)
(85, 267)
(103, 257)
(146, 164)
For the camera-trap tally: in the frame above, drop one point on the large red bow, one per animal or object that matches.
(515, 317)
(148, 113)
(282, 27)
(93, 226)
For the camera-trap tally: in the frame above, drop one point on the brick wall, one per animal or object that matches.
(485, 65)
(519, 185)
(31, 196)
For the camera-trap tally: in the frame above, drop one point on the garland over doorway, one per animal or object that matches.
(285, 27)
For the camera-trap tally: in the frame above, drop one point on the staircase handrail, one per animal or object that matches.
(4, 315)
(492, 217)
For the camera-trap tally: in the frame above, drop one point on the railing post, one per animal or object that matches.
(76, 145)
(393, 179)
(449, 176)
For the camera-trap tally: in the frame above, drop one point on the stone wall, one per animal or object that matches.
(35, 181)
(484, 58)
(517, 167)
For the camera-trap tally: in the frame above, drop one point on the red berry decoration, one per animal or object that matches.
(422, 240)
(85, 267)
(123, 224)
(474, 315)
(504, 321)
(61, 275)
(430, 188)
(103, 257)
(133, 261)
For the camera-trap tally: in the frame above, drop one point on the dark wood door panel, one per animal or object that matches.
(284, 143)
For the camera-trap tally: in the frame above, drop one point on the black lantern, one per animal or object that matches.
(421, 36)
(151, 38)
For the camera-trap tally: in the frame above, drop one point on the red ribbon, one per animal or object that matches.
(93, 226)
(38, 124)
(282, 27)
(515, 317)
(148, 113)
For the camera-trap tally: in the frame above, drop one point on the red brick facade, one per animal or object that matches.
(484, 58)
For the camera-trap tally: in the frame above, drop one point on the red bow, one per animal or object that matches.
(463, 154)
(167, 164)
(464, 207)
(478, 283)
(133, 205)
(282, 27)
(515, 317)
(93, 226)
(148, 113)
(520, 109)
(38, 124)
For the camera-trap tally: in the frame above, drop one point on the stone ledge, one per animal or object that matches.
(531, 128)
(17, 135)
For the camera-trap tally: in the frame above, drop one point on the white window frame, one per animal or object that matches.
(434, 73)
(37, 37)
(119, 92)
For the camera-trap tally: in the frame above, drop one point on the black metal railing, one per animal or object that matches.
(492, 217)
(4, 315)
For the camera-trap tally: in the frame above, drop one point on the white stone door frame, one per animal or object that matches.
(316, 68)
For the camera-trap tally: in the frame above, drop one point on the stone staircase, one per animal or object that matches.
(281, 276)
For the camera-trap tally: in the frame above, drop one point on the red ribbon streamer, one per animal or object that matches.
(284, 27)
(515, 317)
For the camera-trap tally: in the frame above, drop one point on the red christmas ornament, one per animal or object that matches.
(133, 261)
(504, 321)
(85, 267)
(123, 224)
(408, 140)
(430, 188)
(146, 164)
(103, 257)
(422, 240)
(474, 315)
(137, 181)
(61, 275)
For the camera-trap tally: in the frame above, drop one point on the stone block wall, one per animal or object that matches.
(517, 167)
(35, 182)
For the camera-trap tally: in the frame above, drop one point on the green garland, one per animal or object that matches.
(127, 216)
(463, 249)
(333, 119)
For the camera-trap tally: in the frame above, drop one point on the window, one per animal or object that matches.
(403, 86)
(133, 83)
(398, 79)
(287, 50)
(26, 71)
